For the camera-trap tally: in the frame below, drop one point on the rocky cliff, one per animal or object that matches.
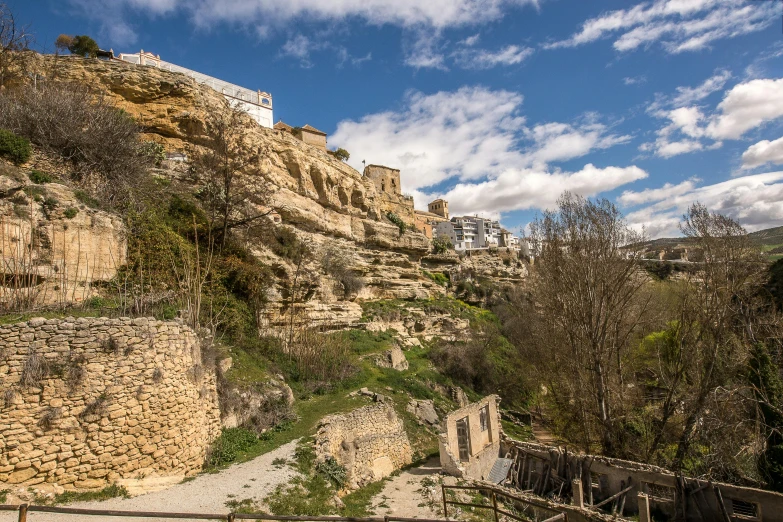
(330, 205)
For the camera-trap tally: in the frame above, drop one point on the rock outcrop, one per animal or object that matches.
(53, 247)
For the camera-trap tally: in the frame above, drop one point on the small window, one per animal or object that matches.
(744, 509)
(484, 418)
(264, 101)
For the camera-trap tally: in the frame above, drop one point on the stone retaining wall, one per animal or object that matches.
(370, 442)
(92, 401)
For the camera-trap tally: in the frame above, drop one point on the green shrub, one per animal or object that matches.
(39, 178)
(332, 471)
(15, 148)
(154, 151)
(397, 220)
(83, 45)
(83, 197)
(441, 245)
(341, 154)
(71, 212)
(230, 444)
(113, 491)
(438, 277)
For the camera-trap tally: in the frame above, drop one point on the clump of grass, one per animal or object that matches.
(49, 417)
(246, 505)
(110, 345)
(39, 178)
(112, 491)
(86, 199)
(4, 495)
(71, 212)
(75, 372)
(157, 376)
(231, 443)
(9, 396)
(34, 370)
(96, 408)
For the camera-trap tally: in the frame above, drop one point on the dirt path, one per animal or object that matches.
(405, 495)
(207, 493)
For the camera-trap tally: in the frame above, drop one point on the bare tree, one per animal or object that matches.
(225, 166)
(15, 40)
(588, 303)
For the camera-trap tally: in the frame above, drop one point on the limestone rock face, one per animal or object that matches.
(393, 358)
(424, 411)
(55, 243)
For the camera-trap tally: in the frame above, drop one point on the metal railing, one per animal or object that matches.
(493, 497)
(24, 509)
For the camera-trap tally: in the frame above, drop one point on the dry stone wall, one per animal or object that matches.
(370, 442)
(92, 401)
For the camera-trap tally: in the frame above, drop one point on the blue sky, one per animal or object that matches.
(499, 105)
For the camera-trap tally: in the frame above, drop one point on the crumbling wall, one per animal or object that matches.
(484, 443)
(602, 477)
(370, 442)
(92, 401)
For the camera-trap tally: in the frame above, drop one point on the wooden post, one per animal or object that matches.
(445, 510)
(644, 507)
(578, 494)
(23, 513)
(495, 506)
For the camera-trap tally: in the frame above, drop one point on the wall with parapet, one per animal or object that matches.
(93, 401)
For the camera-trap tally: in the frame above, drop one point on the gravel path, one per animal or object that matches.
(406, 496)
(207, 493)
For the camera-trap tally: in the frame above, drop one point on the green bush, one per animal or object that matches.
(15, 148)
(155, 151)
(230, 444)
(397, 220)
(341, 154)
(39, 178)
(83, 45)
(71, 212)
(441, 245)
(85, 198)
(439, 277)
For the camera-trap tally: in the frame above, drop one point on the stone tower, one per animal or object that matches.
(386, 180)
(439, 207)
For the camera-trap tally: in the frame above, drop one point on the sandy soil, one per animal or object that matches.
(406, 496)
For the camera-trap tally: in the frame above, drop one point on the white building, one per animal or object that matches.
(470, 232)
(256, 103)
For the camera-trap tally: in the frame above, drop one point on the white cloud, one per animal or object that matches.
(478, 137)
(471, 58)
(630, 198)
(634, 80)
(744, 107)
(468, 133)
(756, 201)
(762, 153)
(471, 40)
(688, 95)
(425, 51)
(678, 25)
(519, 189)
(271, 15)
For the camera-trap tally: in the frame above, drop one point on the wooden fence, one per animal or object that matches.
(493, 496)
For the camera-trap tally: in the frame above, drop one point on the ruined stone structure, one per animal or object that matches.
(470, 444)
(650, 489)
(370, 442)
(93, 401)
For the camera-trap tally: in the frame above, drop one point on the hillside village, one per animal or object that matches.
(251, 326)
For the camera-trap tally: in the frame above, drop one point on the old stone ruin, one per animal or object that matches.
(588, 487)
(369, 442)
(91, 402)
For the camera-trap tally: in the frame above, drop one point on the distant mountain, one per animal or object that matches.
(770, 240)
